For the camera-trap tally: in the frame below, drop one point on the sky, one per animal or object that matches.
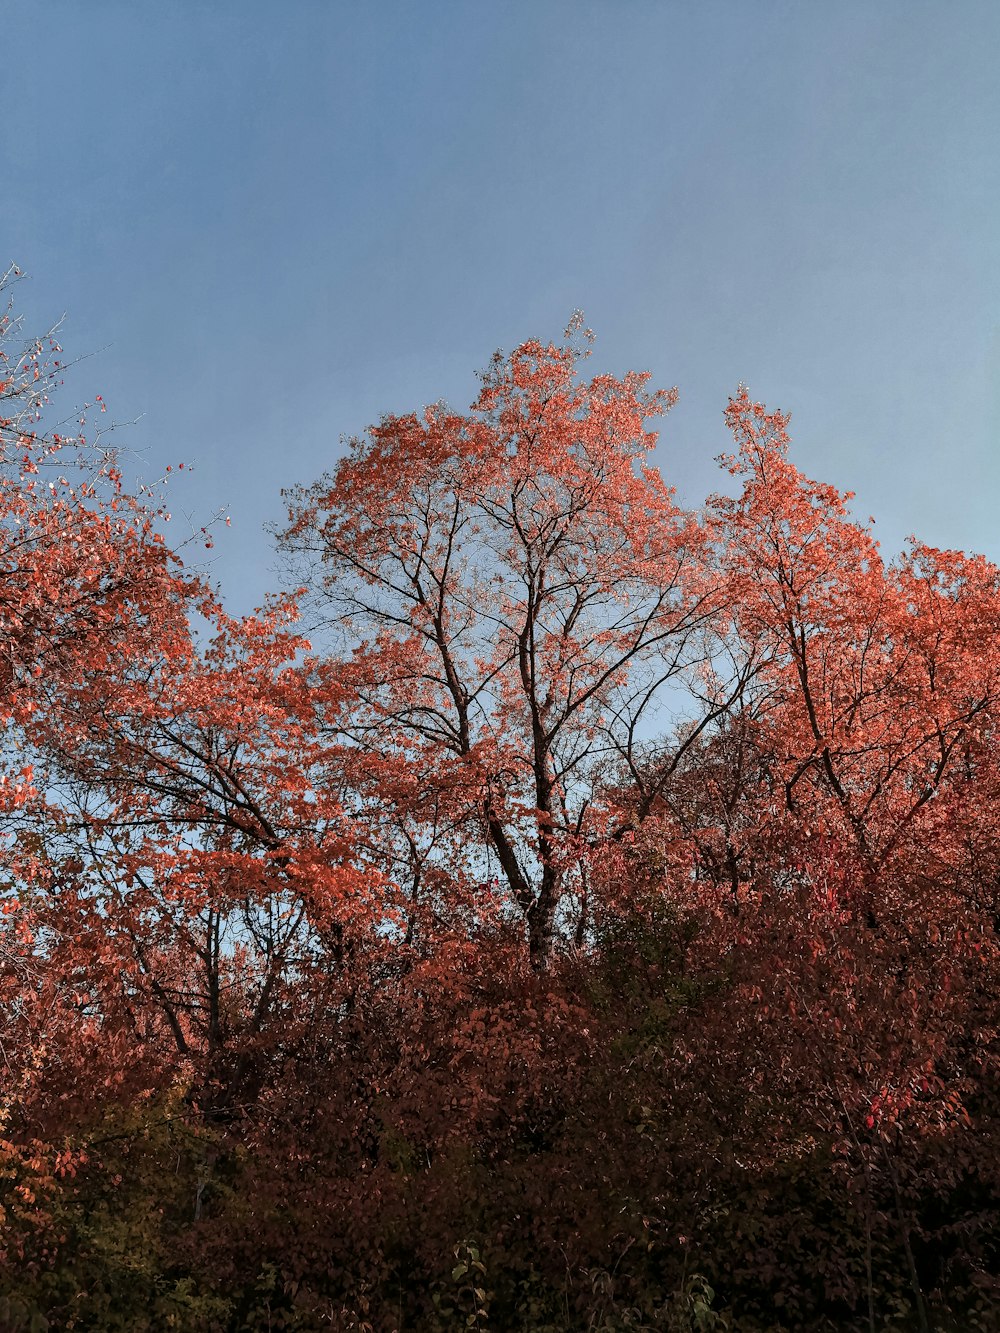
(272, 224)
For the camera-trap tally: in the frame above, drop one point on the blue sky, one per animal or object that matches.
(277, 222)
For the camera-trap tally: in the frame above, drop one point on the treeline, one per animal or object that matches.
(565, 910)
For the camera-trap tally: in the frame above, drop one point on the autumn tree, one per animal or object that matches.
(198, 879)
(169, 847)
(78, 558)
(519, 590)
(875, 675)
(872, 707)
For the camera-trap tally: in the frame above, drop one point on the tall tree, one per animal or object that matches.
(872, 679)
(520, 591)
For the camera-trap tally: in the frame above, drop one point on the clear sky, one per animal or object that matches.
(279, 221)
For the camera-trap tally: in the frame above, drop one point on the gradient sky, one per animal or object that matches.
(277, 222)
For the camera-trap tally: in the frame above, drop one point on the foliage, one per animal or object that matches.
(409, 980)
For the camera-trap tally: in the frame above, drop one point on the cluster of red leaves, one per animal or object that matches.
(426, 975)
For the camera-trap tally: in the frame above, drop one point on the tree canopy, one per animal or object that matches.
(590, 921)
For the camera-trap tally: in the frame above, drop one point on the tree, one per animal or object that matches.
(80, 561)
(520, 591)
(871, 680)
(195, 869)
